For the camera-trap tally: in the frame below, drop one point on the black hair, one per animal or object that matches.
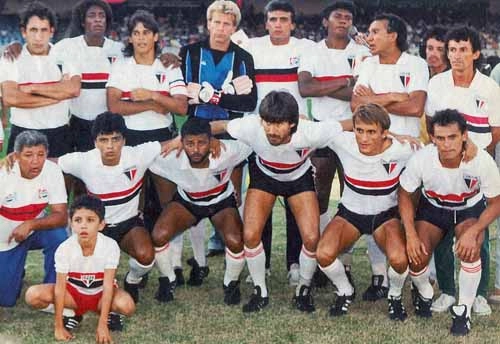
(91, 203)
(278, 107)
(79, 13)
(280, 5)
(446, 117)
(438, 32)
(37, 9)
(398, 25)
(108, 123)
(339, 4)
(465, 33)
(148, 20)
(196, 126)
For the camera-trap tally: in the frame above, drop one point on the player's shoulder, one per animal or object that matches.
(50, 167)
(486, 82)
(245, 55)
(107, 243)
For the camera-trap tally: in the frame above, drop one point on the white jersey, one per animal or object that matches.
(409, 74)
(276, 66)
(286, 162)
(26, 199)
(371, 181)
(479, 103)
(94, 63)
(451, 188)
(326, 64)
(117, 186)
(86, 273)
(30, 69)
(127, 75)
(203, 186)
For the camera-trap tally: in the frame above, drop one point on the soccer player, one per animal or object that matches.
(204, 190)
(220, 80)
(372, 164)
(391, 77)
(276, 58)
(33, 185)
(94, 54)
(38, 85)
(433, 50)
(114, 173)
(453, 199)
(281, 166)
(477, 98)
(86, 266)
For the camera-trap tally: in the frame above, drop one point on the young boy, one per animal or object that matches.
(86, 265)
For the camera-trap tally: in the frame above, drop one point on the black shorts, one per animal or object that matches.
(367, 224)
(117, 231)
(207, 211)
(446, 219)
(137, 137)
(81, 130)
(60, 140)
(259, 180)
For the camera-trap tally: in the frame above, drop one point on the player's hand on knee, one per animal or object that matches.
(416, 250)
(63, 335)
(467, 246)
(102, 335)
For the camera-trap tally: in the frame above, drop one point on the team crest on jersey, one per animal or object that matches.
(10, 198)
(294, 61)
(351, 59)
(220, 175)
(131, 172)
(112, 59)
(390, 166)
(88, 280)
(480, 104)
(43, 194)
(405, 78)
(303, 152)
(161, 77)
(471, 181)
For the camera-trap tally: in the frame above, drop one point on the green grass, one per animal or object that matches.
(198, 314)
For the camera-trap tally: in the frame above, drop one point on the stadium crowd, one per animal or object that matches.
(414, 140)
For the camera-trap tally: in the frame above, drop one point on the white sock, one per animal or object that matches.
(176, 245)
(164, 262)
(377, 259)
(235, 262)
(197, 235)
(397, 282)
(256, 261)
(336, 273)
(307, 267)
(67, 312)
(324, 220)
(137, 270)
(421, 281)
(468, 282)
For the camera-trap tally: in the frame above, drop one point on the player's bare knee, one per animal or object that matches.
(234, 242)
(32, 295)
(251, 240)
(145, 256)
(310, 241)
(123, 304)
(159, 238)
(325, 255)
(399, 262)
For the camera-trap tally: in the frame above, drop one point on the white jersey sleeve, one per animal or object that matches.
(412, 176)
(72, 163)
(148, 152)
(236, 151)
(319, 134)
(244, 128)
(490, 176)
(431, 101)
(420, 74)
(58, 194)
(176, 82)
(364, 72)
(61, 257)
(113, 254)
(116, 75)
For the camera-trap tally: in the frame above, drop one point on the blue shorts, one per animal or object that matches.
(12, 262)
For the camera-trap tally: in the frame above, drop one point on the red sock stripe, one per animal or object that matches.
(237, 256)
(251, 254)
(472, 269)
(307, 253)
(163, 248)
(418, 273)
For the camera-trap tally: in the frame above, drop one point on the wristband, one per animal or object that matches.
(215, 99)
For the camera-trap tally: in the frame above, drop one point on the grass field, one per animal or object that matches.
(198, 314)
